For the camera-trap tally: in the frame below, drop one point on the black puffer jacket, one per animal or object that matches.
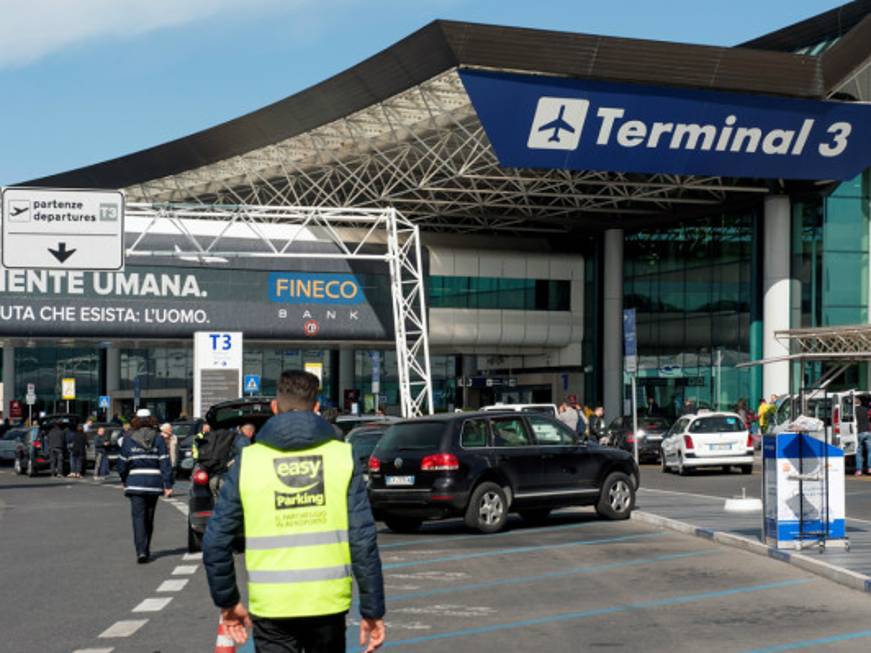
(293, 432)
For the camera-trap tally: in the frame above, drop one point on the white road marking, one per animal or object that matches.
(172, 585)
(123, 628)
(192, 556)
(94, 650)
(153, 605)
(184, 570)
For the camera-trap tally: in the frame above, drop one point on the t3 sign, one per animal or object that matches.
(547, 122)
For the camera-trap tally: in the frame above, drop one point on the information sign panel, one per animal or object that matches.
(53, 229)
(217, 368)
(68, 389)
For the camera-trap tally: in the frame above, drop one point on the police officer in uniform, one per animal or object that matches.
(303, 509)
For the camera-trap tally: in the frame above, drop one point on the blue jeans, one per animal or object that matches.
(76, 463)
(863, 439)
(101, 464)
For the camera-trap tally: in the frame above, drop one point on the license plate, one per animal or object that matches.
(720, 447)
(399, 480)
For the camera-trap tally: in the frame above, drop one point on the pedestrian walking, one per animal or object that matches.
(171, 442)
(78, 452)
(56, 445)
(143, 465)
(863, 437)
(301, 503)
(101, 454)
(598, 429)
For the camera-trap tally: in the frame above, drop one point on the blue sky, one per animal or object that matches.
(88, 80)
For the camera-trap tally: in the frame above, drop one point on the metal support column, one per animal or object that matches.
(612, 331)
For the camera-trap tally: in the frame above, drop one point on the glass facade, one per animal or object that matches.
(497, 293)
(46, 366)
(691, 287)
(270, 362)
(444, 371)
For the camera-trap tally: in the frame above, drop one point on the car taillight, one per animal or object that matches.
(439, 462)
(374, 464)
(200, 477)
(688, 442)
(630, 439)
(749, 441)
(836, 421)
(37, 444)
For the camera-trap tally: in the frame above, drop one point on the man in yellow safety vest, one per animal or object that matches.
(302, 506)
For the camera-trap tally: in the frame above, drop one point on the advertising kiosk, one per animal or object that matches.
(803, 492)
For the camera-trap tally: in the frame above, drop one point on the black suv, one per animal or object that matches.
(481, 466)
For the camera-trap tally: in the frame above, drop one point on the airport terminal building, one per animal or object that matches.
(557, 179)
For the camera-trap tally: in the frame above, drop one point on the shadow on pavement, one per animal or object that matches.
(456, 526)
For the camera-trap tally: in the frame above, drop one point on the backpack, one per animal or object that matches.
(216, 451)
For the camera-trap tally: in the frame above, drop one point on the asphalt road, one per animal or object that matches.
(726, 485)
(69, 574)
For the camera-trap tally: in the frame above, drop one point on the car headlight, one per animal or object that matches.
(188, 454)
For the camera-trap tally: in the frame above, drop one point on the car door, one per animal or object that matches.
(567, 466)
(515, 454)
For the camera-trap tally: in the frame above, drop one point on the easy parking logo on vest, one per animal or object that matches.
(304, 475)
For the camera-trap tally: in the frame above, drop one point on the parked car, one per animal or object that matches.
(545, 409)
(363, 440)
(9, 443)
(31, 456)
(222, 417)
(347, 423)
(651, 431)
(481, 466)
(707, 440)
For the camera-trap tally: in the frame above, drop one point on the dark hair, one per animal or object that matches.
(143, 422)
(297, 390)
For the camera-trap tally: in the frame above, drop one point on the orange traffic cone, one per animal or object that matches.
(224, 643)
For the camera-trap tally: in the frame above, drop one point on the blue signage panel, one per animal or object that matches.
(251, 384)
(630, 339)
(548, 122)
(104, 402)
(315, 288)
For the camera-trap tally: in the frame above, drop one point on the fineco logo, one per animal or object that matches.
(314, 288)
(304, 475)
(558, 124)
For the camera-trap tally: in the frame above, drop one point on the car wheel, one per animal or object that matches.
(195, 541)
(618, 497)
(402, 524)
(746, 469)
(31, 468)
(663, 466)
(537, 516)
(488, 508)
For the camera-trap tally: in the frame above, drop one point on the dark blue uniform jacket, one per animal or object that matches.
(293, 431)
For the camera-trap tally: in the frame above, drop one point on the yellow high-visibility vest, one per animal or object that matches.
(295, 506)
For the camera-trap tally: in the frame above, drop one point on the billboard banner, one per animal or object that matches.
(174, 301)
(535, 121)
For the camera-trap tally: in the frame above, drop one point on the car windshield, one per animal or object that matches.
(13, 435)
(183, 430)
(652, 423)
(186, 443)
(717, 424)
(413, 436)
(364, 442)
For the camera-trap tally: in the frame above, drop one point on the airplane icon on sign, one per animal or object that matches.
(20, 210)
(557, 125)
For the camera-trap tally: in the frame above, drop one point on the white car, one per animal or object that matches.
(707, 440)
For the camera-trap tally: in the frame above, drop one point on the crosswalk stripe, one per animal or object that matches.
(123, 628)
(172, 585)
(192, 556)
(184, 570)
(153, 605)
(94, 650)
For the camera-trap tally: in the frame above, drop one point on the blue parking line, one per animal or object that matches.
(813, 643)
(586, 614)
(576, 571)
(519, 549)
(448, 537)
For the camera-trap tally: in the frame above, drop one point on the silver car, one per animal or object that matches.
(9, 444)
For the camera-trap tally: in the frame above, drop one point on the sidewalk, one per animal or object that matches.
(704, 516)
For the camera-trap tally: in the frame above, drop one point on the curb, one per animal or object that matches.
(845, 577)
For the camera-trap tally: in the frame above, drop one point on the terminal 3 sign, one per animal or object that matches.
(172, 301)
(548, 122)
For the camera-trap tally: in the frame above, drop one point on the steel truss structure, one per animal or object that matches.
(425, 152)
(274, 231)
(835, 342)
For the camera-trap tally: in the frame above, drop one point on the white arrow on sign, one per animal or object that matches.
(58, 229)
